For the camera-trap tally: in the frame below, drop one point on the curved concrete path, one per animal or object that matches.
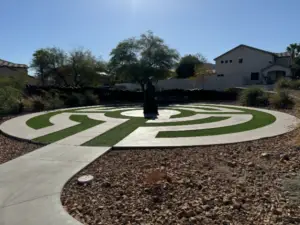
(31, 185)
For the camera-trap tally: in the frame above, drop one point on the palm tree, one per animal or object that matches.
(294, 50)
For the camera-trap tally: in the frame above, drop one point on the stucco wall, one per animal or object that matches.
(253, 61)
(284, 61)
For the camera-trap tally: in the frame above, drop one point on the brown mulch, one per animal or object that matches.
(227, 184)
(11, 148)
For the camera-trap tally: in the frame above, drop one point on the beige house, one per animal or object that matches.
(245, 65)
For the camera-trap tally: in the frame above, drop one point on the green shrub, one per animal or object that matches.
(295, 84)
(39, 104)
(10, 100)
(283, 83)
(253, 97)
(90, 98)
(28, 104)
(53, 100)
(74, 100)
(282, 100)
(290, 84)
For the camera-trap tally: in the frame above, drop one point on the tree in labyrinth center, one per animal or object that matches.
(137, 59)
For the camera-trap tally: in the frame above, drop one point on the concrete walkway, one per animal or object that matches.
(31, 185)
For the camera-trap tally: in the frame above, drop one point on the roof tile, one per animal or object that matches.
(4, 63)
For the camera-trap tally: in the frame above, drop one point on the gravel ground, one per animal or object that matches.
(11, 148)
(246, 183)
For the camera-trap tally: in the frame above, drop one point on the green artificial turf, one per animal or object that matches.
(41, 121)
(117, 114)
(190, 122)
(116, 134)
(260, 119)
(201, 107)
(183, 113)
(85, 123)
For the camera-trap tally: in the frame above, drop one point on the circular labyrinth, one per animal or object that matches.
(126, 127)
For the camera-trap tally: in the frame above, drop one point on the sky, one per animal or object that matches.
(209, 27)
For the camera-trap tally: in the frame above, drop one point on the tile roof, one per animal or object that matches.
(4, 63)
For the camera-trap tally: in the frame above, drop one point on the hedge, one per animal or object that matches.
(109, 95)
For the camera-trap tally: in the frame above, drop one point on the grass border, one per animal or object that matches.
(84, 123)
(260, 119)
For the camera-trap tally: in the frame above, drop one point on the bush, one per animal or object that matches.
(91, 98)
(28, 104)
(38, 103)
(253, 97)
(74, 100)
(10, 100)
(53, 100)
(283, 83)
(291, 84)
(295, 84)
(282, 100)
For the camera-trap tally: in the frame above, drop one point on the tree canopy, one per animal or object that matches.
(187, 65)
(137, 59)
(76, 68)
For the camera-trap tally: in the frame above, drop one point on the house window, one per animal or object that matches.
(240, 60)
(230, 61)
(226, 61)
(220, 75)
(222, 61)
(254, 76)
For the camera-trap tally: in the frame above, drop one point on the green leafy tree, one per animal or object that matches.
(187, 65)
(50, 65)
(40, 63)
(85, 68)
(136, 59)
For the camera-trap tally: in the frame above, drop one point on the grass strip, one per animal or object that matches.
(201, 107)
(41, 121)
(260, 119)
(190, 122)
(116, 134)
(85, 123)
(183, 113)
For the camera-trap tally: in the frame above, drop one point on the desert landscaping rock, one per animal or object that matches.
(12, 148)
(226, 184)
(85, 179)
